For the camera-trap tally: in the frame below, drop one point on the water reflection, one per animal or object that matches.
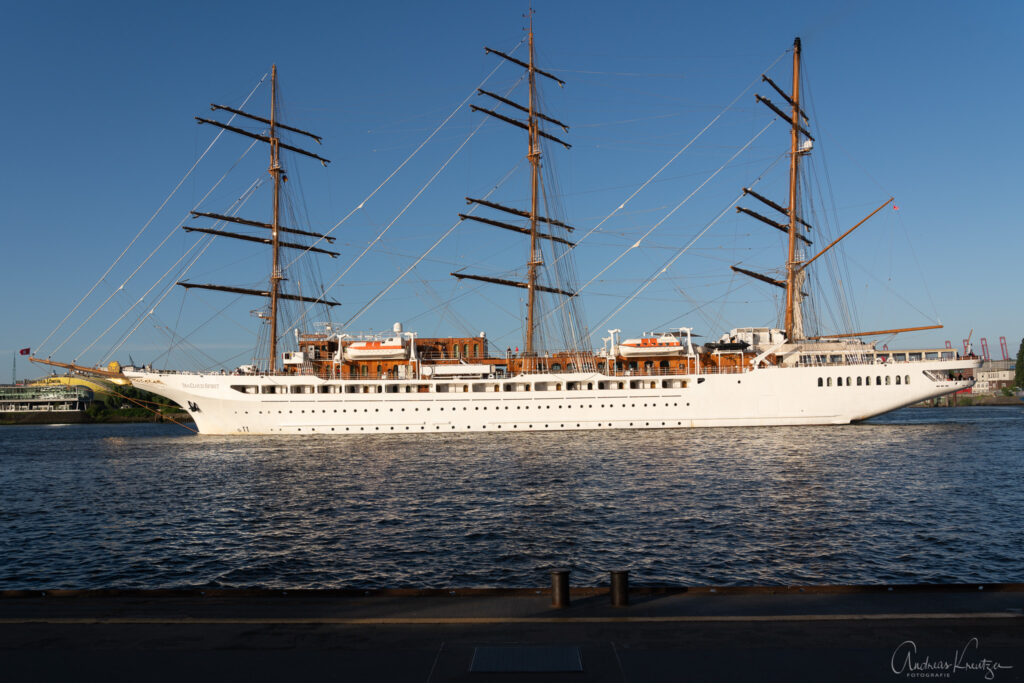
(921, 495)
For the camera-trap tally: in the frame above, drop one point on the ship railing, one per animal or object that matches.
(873, 360)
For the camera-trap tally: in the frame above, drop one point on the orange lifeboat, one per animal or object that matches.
(648, 347)
(386, 349)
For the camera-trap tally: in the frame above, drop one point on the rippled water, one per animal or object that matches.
(921, 495)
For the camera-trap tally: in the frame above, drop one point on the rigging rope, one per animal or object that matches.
(151, 218)
(671, 213)
(241, 202)
(415, 263)
(677, 154)
(409, 158)
(153, 253)
(686, 248)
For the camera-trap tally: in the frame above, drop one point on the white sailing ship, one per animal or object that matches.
(336, 384)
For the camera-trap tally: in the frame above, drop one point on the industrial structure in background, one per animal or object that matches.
(993, 376)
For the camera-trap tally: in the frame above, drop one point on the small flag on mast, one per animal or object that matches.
(25, 352)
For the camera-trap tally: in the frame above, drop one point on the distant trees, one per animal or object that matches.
(1018, 378)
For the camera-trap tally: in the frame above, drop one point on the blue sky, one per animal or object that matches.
(917, 100)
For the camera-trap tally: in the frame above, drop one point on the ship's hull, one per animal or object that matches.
(251, 404)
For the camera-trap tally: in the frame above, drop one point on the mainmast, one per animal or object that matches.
(534, 157)
(534, 134)
(279, 175)
(275, 171)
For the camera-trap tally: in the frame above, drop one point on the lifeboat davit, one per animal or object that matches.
(647, 347)
(386, 349)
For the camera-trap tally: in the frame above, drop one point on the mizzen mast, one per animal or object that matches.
(793, 326)
(277, 172)
(534, 133)
(794, 223)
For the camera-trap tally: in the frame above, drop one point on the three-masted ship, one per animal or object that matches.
(403, 383)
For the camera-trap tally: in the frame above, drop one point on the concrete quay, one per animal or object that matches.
(837, 633)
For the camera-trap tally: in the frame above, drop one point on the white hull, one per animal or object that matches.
(763, 397)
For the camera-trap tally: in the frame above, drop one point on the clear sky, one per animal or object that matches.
(916, 100)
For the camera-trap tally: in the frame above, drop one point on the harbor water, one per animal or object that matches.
(920, 495)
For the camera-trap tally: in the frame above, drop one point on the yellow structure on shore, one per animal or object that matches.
(101, 388)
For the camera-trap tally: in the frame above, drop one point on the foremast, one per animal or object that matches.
(279, 175)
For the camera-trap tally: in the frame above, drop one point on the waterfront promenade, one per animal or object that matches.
(697, 634)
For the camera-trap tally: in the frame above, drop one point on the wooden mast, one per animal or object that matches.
(534, 134)
(794, 155)
(275, 171)
(534, 157)
(273, 292)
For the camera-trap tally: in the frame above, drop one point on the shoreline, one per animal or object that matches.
(52, 418)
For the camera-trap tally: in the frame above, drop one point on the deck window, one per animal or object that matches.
(860, 381)
(829, 381)
(878, 381)
(888, 380)
(821, 382)
(906, 380)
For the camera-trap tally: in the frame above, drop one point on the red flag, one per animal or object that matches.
(895, 208)
(25, 352)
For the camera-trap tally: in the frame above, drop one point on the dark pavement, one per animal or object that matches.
(957, 633)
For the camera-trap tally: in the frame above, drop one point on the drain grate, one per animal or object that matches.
(525, 659)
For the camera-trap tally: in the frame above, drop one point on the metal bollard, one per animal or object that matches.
(620, 588)
(559, 588)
